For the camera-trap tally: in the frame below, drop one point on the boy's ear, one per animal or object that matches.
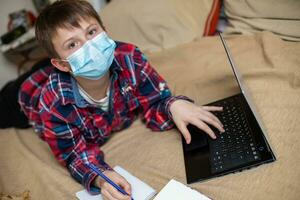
(61, 65)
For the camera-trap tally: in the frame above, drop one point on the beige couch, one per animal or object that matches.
(199, 69)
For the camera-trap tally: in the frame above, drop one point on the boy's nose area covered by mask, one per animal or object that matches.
(94, 58)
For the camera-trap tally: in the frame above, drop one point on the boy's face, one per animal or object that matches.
(66, 41)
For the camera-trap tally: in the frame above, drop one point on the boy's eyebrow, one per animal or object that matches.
(89, 26)
(71, 38)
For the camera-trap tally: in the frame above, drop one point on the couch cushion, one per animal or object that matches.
(155, 25)
(282, 17)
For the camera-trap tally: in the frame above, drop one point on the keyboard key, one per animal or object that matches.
(236, 146)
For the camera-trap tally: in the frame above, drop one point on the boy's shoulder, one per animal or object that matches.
(129, 55)
(57, 90)
(124, 48)
(132, 62)
(44, 88)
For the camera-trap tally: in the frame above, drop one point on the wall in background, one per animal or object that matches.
(8, 70)
(98, 4)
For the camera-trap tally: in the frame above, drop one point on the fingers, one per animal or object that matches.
(106, 195)
(212, 108)
(198, 116)
(201, 125)
(125, 185)
(186, 134)
(212, 120)
(115, 193)
(212, 117)
(111, 192)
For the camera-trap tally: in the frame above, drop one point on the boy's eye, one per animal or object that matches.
(72, 45)
(92, 32)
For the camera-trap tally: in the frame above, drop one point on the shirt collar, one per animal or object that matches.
(78, 99)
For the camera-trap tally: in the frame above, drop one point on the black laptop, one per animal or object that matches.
(242, 146)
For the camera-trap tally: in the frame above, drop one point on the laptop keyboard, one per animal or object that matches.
(235, 146)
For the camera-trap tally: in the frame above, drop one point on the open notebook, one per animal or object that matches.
(174, 190)
(140, 190)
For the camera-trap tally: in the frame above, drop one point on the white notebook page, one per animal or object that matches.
(175, 190)
(140, 190)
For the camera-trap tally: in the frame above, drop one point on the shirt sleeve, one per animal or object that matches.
(153, 94)
(67, 142)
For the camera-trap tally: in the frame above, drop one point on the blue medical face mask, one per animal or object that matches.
(94, 58)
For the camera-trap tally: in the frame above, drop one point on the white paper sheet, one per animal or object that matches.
(175, 190)
(140, 190)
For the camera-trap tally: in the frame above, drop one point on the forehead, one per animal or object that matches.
(67, 31)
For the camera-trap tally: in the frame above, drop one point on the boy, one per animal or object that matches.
(96, 86)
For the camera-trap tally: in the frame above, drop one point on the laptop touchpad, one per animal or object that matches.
(199, 138)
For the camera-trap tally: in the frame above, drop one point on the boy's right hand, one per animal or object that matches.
(108, 192)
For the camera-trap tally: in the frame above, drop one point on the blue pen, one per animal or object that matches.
(95, 169)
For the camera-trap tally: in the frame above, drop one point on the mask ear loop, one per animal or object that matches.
(65, 60)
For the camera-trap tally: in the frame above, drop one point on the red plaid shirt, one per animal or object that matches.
(74, 129)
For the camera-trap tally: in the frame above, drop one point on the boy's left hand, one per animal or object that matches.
(185, 112)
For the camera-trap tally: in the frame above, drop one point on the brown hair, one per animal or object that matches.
(61, 14)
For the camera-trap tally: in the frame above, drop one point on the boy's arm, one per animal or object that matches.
(70, 148)
(153, 94)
